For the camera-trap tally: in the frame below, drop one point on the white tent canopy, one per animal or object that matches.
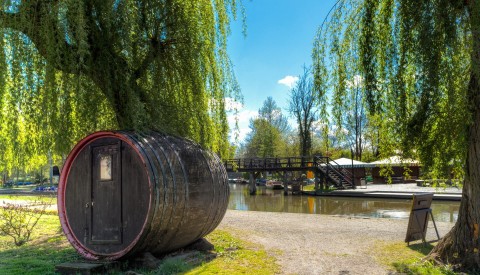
(347, 163)
(395, 161)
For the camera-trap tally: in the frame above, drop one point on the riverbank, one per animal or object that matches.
(393, 191)
(407, 187)
(322, 244)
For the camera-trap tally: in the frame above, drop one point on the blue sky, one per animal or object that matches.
(279, 42)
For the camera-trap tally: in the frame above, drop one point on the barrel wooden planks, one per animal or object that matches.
(121, 193)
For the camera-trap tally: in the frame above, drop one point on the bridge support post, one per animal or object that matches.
(322, 184)
(285, 183)
(252, 186)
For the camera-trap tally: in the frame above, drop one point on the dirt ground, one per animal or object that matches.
(321, 244)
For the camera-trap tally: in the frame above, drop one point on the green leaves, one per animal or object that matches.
(269, 133)
(73, 67)
(413, 57)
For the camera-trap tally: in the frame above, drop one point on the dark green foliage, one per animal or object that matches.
(264, 139)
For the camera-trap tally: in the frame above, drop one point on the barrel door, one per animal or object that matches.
(105, 220)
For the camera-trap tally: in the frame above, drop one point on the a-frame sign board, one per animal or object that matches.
(418, 222)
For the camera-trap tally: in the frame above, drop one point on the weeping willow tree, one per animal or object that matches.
(340, 84)
(420, 63)
(70, 67)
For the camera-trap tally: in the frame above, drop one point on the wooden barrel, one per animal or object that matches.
(121, 193)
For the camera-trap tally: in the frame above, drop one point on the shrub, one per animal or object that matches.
(18, 220)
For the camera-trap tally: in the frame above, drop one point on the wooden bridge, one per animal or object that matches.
(324, 168)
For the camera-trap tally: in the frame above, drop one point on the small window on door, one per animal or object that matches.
(106, 167)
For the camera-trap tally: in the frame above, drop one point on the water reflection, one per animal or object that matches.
(269, 200)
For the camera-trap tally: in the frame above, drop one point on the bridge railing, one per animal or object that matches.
(330, 164)
(268, 163)
(291, 164)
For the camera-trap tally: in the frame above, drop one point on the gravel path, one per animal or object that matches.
(321, 244)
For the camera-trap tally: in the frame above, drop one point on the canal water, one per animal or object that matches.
(269, 200)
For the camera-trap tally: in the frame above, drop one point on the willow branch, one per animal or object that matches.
(26, 22)
(155, 50)
(8, 20)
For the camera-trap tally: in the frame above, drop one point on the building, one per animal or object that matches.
(403, 170)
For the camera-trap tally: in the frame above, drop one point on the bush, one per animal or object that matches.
(18, 220)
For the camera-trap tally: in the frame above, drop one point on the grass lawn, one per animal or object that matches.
(408, 259)
(49, 247)
(47, 198)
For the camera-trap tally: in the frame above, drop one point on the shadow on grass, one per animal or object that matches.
(417, 265)
(422, 248)
(180, 261)
(37, 257)
(49, 248)
(42, 255)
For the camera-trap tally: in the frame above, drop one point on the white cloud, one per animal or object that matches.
(243, 118)
(317, 126)
(243, 133)
(288, 81)
(356, 83)
(232, 104)
(292, 121)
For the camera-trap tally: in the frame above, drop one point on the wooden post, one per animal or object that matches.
(318, 176)
(326, 174)
(253, 188)
(51, 167)
(323, 181)
(285, 183)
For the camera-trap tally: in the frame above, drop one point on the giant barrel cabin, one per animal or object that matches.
(121, 193)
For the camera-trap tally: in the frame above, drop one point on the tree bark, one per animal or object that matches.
(461, 246)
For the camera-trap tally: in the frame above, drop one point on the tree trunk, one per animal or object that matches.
(461, 246)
